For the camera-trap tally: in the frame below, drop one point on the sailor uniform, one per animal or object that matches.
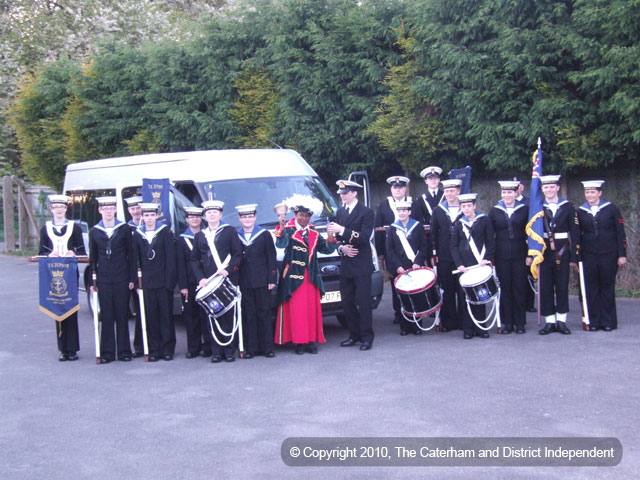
(471, 242)
(156, 254)
(62, 239)
(602, 242)
(510, 261)
(453, 302)
(137, 330)
(196, 323)
(405, 246)
(385, 215)
(258, 269)
(423, 206)
(561, 222)
(205, 263)
(112, 260)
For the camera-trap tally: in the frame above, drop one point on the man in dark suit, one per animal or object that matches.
(353, 229)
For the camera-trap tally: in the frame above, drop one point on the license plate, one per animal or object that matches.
(331, 297)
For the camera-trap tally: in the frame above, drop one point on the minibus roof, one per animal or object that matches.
(200, 166)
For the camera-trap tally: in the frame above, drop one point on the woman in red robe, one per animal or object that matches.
(299, 317)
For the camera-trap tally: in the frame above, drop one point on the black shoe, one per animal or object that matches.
(216, 359)
(311, 348)
(138, 354)
(445, 329)
(468, 336)
(593, 329)
(248, 356)
(72, 357)
(191, 355)
(270, 354)
(418, 332)
(349, 342)
(365, 346)
(532, 310)
(168, 357)
(506, 330)
(126, 358)
(403, 333)
(548, 328)
(153, 358)
(483, 335)
(204, 353)
(229, 358)
(300, 348)
(63, 357)
(607, 329)
(519, 331)
(562, 328)
(105, 360)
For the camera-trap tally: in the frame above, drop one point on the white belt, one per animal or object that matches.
(558, 236)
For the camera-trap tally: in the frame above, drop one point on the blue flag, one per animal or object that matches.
(535, 226)
(463, 174)
(58, 286)
(157, 191)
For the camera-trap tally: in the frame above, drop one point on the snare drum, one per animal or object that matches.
(479, 284)
(418, 293)
(218, 296)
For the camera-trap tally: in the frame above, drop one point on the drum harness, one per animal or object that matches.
(237, 308)
(495, 311)
(402, 236)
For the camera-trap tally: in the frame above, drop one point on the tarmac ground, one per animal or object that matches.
(193, 419)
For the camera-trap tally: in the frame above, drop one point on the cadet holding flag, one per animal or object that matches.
(561, 234)
(603, 248)
(63, 238)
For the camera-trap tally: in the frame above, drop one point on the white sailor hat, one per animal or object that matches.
(467, 197)
(106, 201)
(133, 201)
(398, 181)
(212, 205)
(193, 211)
(280, 208)
(248, 209)
(57, 198)
(509, 184)
(593, 184)
(345, 186)
(431, 172)
(403, 204)
(452, 183)
(549, 179)
(149, 207)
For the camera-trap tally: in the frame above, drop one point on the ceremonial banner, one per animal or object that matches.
(463, 174)
(58, 286)
(157, 191)
(535, 227)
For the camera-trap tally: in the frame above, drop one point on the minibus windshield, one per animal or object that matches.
(267, 192)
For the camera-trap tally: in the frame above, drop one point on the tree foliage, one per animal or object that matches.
(378, 85)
